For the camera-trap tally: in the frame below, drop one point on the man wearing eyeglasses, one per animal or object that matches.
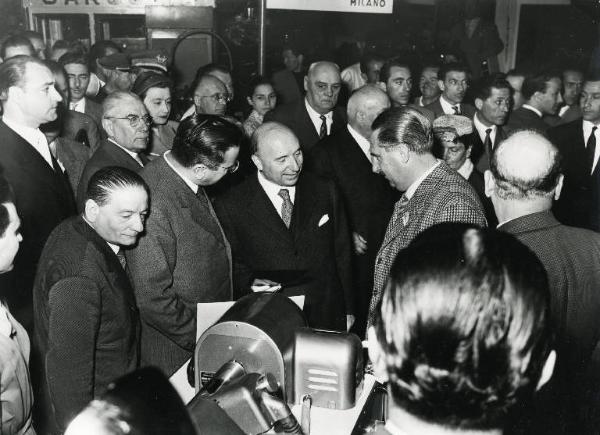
(184, 257)
(126, 122)
(211, 96)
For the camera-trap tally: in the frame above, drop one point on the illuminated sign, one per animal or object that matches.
(114, 3)
(363, 6)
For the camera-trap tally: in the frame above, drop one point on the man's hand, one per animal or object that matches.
(360, 244)
(265, 285)
(350, 319)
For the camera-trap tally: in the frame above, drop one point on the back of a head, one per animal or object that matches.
(16, 41)
(366, 99)
(536, 82)
(100, 49)
(404, 125)
(463, 327)
(204, 139)
(525, 166)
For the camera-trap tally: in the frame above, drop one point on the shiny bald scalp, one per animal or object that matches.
(525, 166)
(265, 131)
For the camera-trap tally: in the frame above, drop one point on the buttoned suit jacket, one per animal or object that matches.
(295, 117)
(571, 257)
(525, 119)
(86, 321)
(578, 204)
(182, 259)
(108, 154)
(436, 107)
(368, 199)
(443, 196)
(479, 154)
(81, 128)
(43, 199)
(286, 86)
(73, 156)
(315, 251)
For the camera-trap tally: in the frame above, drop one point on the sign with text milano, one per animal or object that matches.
(362, 6)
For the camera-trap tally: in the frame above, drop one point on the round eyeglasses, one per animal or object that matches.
(134, 120)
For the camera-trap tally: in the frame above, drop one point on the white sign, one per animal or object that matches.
(362, 6)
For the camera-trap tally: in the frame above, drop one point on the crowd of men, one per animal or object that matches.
(355, 207)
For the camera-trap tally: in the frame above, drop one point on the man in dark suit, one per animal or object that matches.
(524, 180)
(78, 75)
(401, 146)
(289, 82)
(184, 258)
(288, 231)
(127, 123)
(43, 195)
(453, 81)
(541, 94)
(317, 115)
(462, 335)
(492, 100)
(396, 76)
(86, 321)
(344, 157)
(579, 203)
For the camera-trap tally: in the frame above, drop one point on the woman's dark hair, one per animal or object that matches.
(255, 82)
(150, 79)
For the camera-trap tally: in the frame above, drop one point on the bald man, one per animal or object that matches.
(523, 180)
(369, 199)
(287, 230)
(317, 115)
(211, 96)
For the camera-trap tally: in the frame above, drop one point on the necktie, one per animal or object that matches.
(456, 110)
(286, 208)
(323, 130)
(590, 149)
(122, 259)
(487, 142)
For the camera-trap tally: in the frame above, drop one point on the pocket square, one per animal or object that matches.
(324, 219)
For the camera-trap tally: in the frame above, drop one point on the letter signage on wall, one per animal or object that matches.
(363, 6)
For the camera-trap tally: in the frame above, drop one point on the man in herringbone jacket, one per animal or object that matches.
(433, 193)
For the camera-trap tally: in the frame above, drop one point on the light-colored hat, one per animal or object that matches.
(460, 124)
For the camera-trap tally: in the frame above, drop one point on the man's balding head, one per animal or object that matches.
(276, 153)
(525, 168)
(365, 104)
(210, 96)
(322, 85)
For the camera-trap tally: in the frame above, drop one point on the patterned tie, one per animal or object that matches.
(122, 259)
(323, 130)
(590, 149)
(487, 142)
(456, 110)
(286, 208)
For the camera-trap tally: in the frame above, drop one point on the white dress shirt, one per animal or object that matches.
(272, 191)
(363, 143)
(133, 155)
(78, 106)
(34, 137)
(533, 109)
(587, 131)
(191, 185)
(466, 169)
(447, 107)
(481, 128)
(315, 117)
(413, 187)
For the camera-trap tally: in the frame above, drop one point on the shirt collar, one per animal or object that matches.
(135, 156)
(588, 126)
(481, 128)
(78, 106)
(272, 189)
(533, 109)
(362, 142)
(315, 116)
(113, 247)
(413, 187)
(190, 184)
(466, 169)
(447, 106)
(32, 136)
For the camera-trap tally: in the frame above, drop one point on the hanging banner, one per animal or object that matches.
(361, 6)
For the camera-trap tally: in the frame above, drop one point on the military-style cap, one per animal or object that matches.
(152, 60)
(117, 61)
(460, 124)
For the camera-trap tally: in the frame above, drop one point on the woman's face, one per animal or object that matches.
(263, 99)
(158, 104)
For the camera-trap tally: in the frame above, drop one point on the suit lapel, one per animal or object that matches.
(306, 124)
(303, 208)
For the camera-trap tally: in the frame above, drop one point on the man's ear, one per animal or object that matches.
(377, 356)
(547, 371)
(300, 59)
(91, 210)
(490, 183)
(248, 99)
(478, 103)
(441, 85)
(257, 162)
(403, 151)
(107, 124)
(559, 186)
(306, 83)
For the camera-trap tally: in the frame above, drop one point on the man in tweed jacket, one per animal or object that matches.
(401, 146)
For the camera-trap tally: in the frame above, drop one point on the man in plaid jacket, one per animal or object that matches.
(401, 146)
